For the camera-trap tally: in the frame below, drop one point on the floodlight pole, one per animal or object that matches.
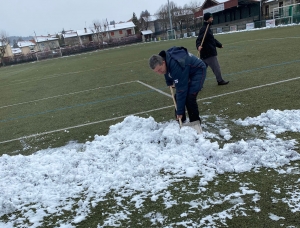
(170, 19)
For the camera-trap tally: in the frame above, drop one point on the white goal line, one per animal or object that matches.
(144, 112)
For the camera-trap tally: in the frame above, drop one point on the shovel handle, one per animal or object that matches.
(180, 122)
(203, 40)
(204, 35)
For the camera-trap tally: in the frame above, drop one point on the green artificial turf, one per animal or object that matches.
(52, 102)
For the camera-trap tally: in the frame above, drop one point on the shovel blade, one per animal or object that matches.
(195, 124)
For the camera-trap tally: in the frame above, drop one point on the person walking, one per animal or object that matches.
(187, 73)
(206, 44)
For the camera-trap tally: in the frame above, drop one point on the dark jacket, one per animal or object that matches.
(186, 71)
(210, 43)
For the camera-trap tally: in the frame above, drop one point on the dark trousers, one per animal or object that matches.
(192, 108)
(213, 63)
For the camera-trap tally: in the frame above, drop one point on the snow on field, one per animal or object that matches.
(131, 158)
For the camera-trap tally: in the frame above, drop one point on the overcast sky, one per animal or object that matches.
(23, 18)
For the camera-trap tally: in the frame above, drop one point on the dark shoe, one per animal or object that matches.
(223, 82)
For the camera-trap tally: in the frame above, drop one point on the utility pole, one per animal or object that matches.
(170, 20)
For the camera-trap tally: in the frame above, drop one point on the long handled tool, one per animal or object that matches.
(203, 39)
(180, 122)
(195, 124)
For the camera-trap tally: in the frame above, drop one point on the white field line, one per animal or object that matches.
(82, 125)
(255, 87)
(67, 94)
(275, 38)
(151, 87)
(83, 91)
(22, 81)
(152, 110)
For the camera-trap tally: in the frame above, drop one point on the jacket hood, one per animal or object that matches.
(177, 53)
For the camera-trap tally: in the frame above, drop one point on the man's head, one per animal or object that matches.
(208, 17)
(158, 64)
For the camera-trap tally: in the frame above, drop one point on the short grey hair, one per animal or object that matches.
(155, 60)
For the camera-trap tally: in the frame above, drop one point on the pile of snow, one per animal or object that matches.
(138, 154)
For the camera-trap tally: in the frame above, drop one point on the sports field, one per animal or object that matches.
(49, 103)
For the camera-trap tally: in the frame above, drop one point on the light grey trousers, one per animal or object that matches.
(213, 63)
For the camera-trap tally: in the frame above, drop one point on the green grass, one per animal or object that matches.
(66, 92)
(87, 93)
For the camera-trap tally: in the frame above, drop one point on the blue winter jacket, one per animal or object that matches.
(187, 72)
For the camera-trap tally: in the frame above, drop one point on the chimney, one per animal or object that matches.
(85, 30)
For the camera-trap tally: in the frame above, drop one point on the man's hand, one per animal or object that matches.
(179, 117)
(199, 48)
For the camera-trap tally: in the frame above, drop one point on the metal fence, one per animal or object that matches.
(256, 24)
(220, 28)
(68, 50)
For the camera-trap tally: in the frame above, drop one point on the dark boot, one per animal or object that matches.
(192, 107)
(223, 82)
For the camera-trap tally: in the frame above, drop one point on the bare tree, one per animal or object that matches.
(144, 14)
(144, 19)
(106, 30)
(4, 41)
(185, 16)
(101, 30)
(97, 29)
(182, 17)
(163, 15)
(193, 7)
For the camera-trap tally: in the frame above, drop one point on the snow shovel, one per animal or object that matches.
(195, 124)
(172, 93)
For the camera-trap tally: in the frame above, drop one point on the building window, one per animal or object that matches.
(120, 32)
(112, 33)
